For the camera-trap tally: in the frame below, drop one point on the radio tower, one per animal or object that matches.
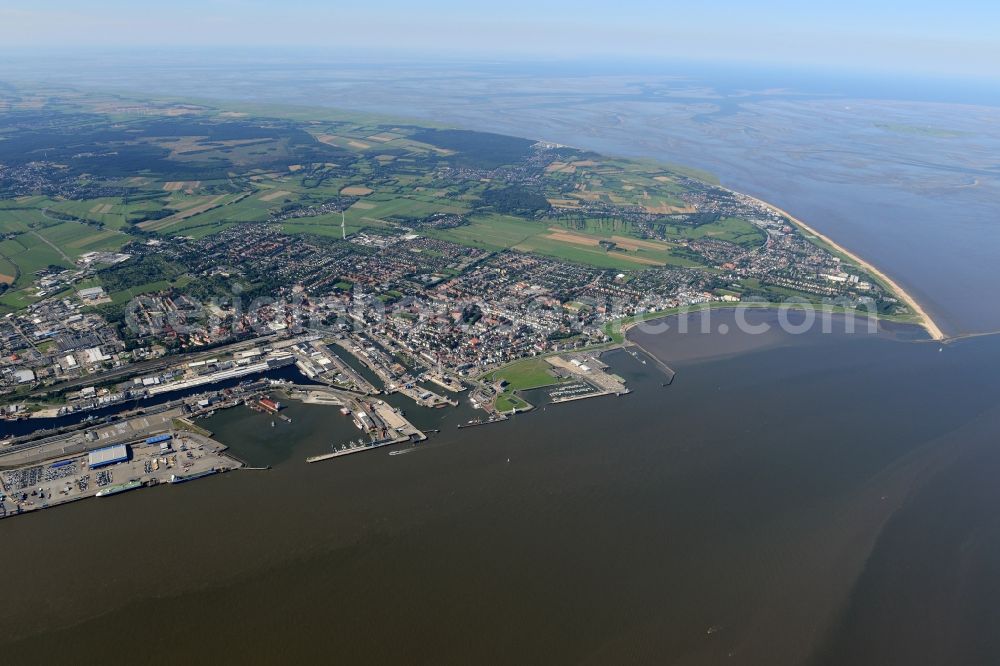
(343, 226)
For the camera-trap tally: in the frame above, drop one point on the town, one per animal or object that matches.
(368, 260)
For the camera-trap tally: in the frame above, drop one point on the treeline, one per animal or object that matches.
(691, 219)
(66, 217)
(139, 271)
(514, 199)
(481, 150)
(138, 216)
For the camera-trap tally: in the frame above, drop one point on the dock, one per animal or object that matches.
(62, 479)
(482, 422)
(356, 448)
(378, 420)
(579, 396)
(666, 369)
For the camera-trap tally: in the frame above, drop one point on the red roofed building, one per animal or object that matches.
(270, 405)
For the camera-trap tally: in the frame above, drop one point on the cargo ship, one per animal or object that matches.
(120, 488)
(181, 478)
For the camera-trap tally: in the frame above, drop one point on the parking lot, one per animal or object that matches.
(64, 480)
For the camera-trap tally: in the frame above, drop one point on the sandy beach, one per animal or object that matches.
(925, 319)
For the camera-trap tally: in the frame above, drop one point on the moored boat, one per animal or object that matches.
(182, 478)
(119, 488)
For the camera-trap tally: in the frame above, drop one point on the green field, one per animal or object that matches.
(208, 169)
(31, 254)
(523, 375)
(75, 239)
(108, 212)
(491, 232)
(382, 207)
(48, 243)
(149, 288)
(731, 229)
(14, 220)
(40, 239)
(324, 225)
(506, 402)
(526, 374)
(502, 232)
(7, 268)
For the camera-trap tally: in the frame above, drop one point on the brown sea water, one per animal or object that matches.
(776, 505)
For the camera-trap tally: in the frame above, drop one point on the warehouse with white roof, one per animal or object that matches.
(109, 455)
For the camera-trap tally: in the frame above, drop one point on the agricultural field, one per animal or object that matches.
(58, 244)
(8, 271)
(562, 241)
(491, 232)
(730, 229)
(191, 171)
(41, 233)
(195, 171)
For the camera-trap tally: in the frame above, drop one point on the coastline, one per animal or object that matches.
(925, 319)
(627, 324)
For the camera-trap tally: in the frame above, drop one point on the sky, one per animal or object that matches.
(958, 38)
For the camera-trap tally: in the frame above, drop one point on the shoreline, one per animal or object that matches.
(627, 324)
(926, 321)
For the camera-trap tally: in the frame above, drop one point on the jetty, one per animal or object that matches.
(481, 422)
(349, 449)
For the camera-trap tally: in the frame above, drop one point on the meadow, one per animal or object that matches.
(207, 170)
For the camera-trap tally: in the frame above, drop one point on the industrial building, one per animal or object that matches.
(272, 406)
(166, 446)
(109, 455)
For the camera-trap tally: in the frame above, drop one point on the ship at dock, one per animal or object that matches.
(183, 478)
(120, 488)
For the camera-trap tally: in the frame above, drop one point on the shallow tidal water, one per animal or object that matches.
(799, 502)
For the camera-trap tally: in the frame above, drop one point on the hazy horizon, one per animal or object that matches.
(118, 67)
(894, 36)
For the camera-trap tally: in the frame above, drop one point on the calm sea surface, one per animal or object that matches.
(795, 499)
(814, 499)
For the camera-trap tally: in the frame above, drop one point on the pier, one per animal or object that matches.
(482, 422)
(666, 369)
(355, 448)
(578, 396)
(380, 421)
